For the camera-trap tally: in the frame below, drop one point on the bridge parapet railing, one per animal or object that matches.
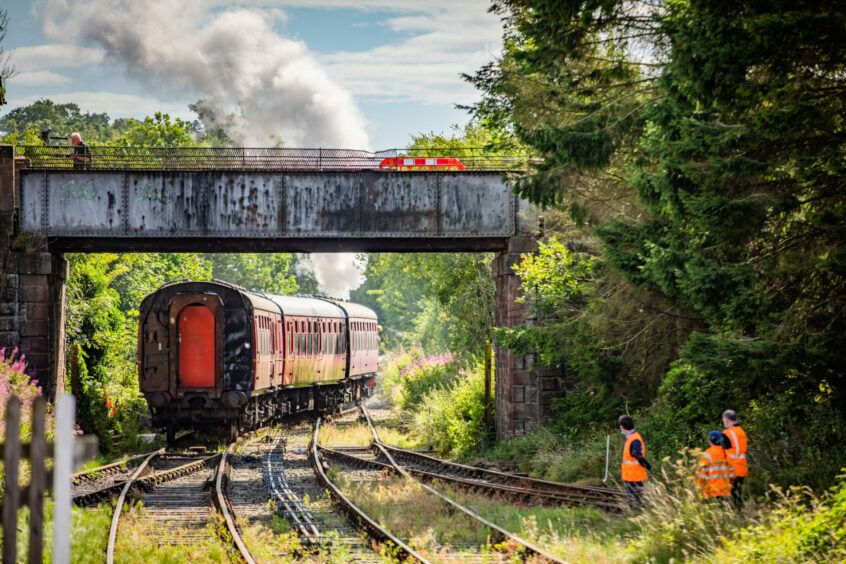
(109, 157)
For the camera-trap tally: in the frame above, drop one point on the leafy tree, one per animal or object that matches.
(703, 144)
(434, 300)
(158, 131)
(62, 119)
(7, 69)
(143, 273)
(270, 272)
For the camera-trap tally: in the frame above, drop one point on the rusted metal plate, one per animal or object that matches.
(272, 205)
(243, 205)
(33, 187)
(85, 203)
(318, 204)
(399, 203)
(163, 205)
(476, 205)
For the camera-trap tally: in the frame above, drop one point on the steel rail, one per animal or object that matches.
(107, 469)
(466, 510)
(375, 530)
(584, 495)
(225, 508)
(110, 550)
(516, 494)
(300, 517)
(87, 499)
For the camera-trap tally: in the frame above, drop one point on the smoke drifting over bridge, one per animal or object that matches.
(265, 88)
(269, 88)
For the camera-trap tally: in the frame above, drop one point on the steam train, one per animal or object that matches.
(214, 355)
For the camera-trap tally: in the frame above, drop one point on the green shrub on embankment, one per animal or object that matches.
(409, 375)
(443, 403)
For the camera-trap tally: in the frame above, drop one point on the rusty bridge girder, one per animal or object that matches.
(294, 211)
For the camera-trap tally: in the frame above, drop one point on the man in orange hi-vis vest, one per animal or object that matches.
(713, 474)
(735, 445)
(635, 465)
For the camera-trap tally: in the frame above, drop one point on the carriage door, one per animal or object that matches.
(197, 354)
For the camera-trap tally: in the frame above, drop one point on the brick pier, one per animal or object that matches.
(32, 289)
(524, 389)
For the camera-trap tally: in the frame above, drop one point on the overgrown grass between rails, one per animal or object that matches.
(405, 509)
(141, 540)
(271, 539)
(357, 433)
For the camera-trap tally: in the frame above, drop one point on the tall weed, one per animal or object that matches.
(15, 382)
(452, 418)
(410, 375)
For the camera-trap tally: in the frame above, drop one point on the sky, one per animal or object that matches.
(343, 73)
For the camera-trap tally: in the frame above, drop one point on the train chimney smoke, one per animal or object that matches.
(337, 274)
(270, 89)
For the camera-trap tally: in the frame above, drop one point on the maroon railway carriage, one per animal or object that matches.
(213, 353)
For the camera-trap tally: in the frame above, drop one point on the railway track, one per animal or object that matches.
(179, 507)
(177, 503)
(517, 489)
(352, 461)
(514, 488)
(88, 483)
(330, 522)
(503, 535)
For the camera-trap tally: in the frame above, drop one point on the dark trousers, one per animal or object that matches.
(634, 493)
(737, 492)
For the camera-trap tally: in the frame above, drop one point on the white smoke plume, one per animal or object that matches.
(269, 88)
(337, 274)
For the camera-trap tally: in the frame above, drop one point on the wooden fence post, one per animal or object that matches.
(37, 481)
(11, 459)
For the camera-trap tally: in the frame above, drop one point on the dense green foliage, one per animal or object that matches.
(697, 148)
(23, 125)
(441, 301)
(409, 375)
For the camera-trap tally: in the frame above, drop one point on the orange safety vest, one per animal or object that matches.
(632, 471)
(714, 475)
(737, 452)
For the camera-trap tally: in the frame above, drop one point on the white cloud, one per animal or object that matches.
(116, 105)
(38, 78)
(53, 56)
(450, 38)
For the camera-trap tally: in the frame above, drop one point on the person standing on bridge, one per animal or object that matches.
(735, 445)
(81, 153)
(713, 473)
(635, 465)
